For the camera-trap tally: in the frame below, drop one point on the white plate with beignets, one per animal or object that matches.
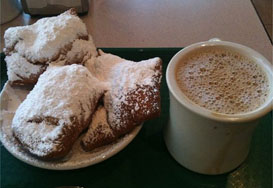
(45, 127)
(85, 105)
(11, 98)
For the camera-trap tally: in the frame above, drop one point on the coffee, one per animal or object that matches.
(222, 80)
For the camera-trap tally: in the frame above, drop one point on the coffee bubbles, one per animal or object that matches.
(222, 81)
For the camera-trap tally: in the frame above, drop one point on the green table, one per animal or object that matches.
(145, 162)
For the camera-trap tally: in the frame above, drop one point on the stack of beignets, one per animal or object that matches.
(79, 90)
(30, 49)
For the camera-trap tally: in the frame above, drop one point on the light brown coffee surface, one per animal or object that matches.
(222, 81)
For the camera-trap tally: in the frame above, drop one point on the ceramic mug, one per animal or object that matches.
(207, 142)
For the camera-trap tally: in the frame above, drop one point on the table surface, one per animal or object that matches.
(145, 162)
(176, 23)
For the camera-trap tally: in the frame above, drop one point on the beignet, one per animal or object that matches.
(57, 110)
(134, 94)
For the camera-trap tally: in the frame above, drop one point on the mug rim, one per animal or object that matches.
(190, 105)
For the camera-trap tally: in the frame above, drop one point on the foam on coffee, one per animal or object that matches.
(222, 81)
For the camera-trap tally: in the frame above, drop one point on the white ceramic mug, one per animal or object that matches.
(207, 142)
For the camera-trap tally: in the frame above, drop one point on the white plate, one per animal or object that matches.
(11, 98)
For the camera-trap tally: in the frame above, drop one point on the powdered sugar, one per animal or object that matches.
(73, 81)
(99, 128)
(101, 66)
(130, 82)
(18, 64)
(81, 51)
(61, 93)
(43, 40)
(100, 118)
(128, 74)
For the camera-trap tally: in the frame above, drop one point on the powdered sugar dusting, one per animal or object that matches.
(44, 39)
(99, 128)
(130, 82)
(128, 74)
(61, 93)
(81, 51)
(18, 64)
(102, 65)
